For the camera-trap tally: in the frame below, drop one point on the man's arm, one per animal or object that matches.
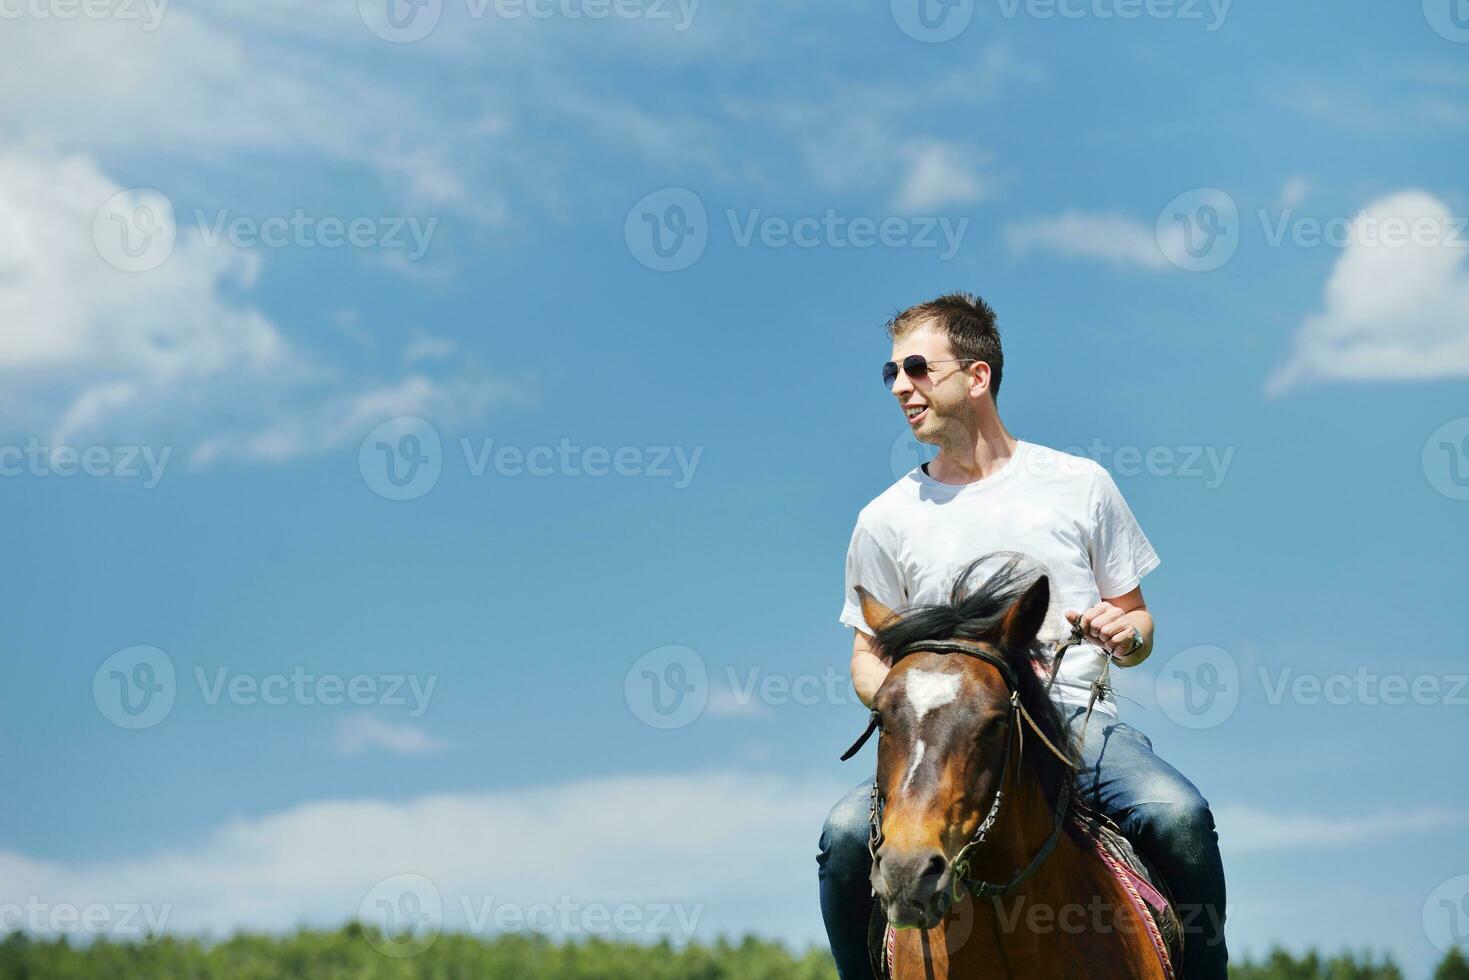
(1111, 624)
(868, 667)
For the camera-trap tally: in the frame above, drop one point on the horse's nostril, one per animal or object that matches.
(936, 867)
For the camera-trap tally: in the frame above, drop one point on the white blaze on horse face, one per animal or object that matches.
(927, 689)
(913, 766)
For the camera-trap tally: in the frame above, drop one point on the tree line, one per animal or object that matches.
(358, 952)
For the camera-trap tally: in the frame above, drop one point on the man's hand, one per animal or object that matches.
(868, 667)
(1121, 627)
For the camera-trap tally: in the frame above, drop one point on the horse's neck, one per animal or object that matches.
(1025, 821)
(1068, 919)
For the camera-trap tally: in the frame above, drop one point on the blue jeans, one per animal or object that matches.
(1159, 810)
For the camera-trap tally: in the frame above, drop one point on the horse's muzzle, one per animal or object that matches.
(913, 886)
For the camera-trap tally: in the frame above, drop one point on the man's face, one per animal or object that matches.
(940, 401)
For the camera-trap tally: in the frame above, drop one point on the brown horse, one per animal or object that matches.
(975, 861)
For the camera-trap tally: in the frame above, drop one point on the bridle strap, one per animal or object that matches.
(1017, 714)
(862, 739)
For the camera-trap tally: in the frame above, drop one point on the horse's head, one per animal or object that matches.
(946, 725)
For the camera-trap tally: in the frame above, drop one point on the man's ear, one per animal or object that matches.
(875, 613)
(1022, 621)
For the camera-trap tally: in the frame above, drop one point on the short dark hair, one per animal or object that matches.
(970, 324)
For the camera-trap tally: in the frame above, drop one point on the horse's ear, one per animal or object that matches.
(1023, 619)
(875, 613)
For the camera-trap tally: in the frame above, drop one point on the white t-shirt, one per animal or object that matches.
(1062, 511)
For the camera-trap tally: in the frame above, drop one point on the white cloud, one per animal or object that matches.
(1113, 238)
(1252, 830)
(1295, 191)
(345, 418)
(726, 702)
(736, 848)
(360, 732)
(424, 347)
(84, 339)
(846, 136)
(941, 174)
(1395, 308)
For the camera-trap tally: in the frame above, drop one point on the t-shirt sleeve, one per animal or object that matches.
(871, 567)
(1120, 552)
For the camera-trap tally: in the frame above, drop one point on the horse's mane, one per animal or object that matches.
(974, 612)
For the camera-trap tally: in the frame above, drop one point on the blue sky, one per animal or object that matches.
(173, 177)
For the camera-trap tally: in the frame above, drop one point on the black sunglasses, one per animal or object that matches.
(916, 367)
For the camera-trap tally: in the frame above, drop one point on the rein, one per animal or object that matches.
(976, 887)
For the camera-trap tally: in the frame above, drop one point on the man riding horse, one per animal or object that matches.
(989, 492)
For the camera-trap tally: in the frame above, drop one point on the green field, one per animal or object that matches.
(354, 953)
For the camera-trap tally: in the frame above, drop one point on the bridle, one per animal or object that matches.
(960, 865)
